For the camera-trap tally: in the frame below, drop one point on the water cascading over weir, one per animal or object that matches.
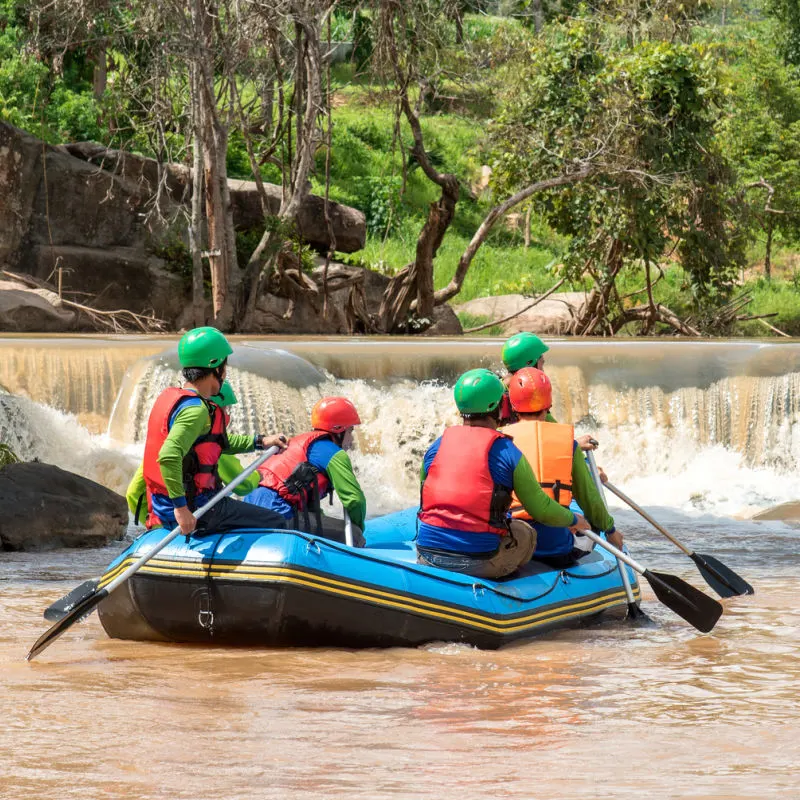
(703, 421)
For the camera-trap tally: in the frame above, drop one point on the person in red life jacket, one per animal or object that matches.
(313, 466)
(560, 469)
(187, 434)
(524, 350)
(468, 476)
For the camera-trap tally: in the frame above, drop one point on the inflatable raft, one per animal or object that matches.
(287, 588)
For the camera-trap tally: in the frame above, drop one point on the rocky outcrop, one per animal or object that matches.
(86, 210)
(295, 304)
(27, 310)
(552, 316)
(45, 507)
(349, 224)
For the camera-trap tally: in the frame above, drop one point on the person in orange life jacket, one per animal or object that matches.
(313, 466)
(468, 476)
(560, 469)
(186, 434)
(527, 350)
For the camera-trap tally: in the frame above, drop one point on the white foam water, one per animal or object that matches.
(726, 450)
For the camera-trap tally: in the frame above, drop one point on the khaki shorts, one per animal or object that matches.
(515, 550)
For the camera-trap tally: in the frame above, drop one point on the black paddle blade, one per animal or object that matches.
(62, 607)
(696, 608)
(81, 610)
(637, 616)
(723, 580)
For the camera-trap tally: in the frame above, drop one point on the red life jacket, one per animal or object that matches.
(458, 491)
(291, 475)
(200, 463)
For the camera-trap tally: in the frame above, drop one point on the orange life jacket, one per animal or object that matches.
(291, 475)
(548, 446)
(199, 465)
(458, 492)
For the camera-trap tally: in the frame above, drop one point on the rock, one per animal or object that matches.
(115, 277)
(349, 224)
(445, 322)
(784, 512)
(45, 507)
(552, 316)
(23, 309)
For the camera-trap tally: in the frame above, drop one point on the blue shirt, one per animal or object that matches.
(319, 455)
(504, 456)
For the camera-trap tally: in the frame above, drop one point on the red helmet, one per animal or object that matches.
(334, 414)
(530, 391)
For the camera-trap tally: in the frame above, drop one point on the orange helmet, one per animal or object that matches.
(530, 391)
(334, 414)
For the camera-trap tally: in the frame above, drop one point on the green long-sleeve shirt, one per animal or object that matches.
(189, 424)
(587, 495)
(348, 489)
(229, 467)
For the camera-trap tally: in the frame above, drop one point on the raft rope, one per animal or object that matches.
(559, 576)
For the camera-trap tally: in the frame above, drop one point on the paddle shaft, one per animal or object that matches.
(634, 565)
(348, 529)
(88, 604)
(720, 577)
(639, 510)
(599, 484)
(224, 492)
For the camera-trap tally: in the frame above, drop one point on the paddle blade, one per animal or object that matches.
(81, 610)
(723, 580)
(637, 616)
(697, 608)
(62, 607)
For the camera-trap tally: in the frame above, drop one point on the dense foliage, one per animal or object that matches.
(685, 117)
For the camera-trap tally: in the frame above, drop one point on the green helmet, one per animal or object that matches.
(203, 347)
(478, 392)
(523, 350)
(225, 396)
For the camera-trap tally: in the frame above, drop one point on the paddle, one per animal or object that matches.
(83, 607)
(348, 529)
(63, 606)
(723, 580)
(696, 608)
(634, 612)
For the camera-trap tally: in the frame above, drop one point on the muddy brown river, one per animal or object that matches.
(611, 711)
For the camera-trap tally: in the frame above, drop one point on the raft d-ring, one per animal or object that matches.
(564, 577)
(478, 589)
(205, 618)
(313, 547)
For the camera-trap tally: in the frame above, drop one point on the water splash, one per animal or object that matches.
(36, 431)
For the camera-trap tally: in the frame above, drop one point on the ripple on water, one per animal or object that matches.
(609, 711)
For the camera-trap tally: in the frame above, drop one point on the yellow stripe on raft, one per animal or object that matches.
(376, 597)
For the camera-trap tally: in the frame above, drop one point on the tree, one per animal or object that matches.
(641, 119)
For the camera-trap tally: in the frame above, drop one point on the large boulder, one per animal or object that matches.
(27, 310)
(552, 316)
(349, 224)
(45, 507)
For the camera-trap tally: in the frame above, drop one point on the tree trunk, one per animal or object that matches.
(100, 78)
(768, 254)
(196, 221)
